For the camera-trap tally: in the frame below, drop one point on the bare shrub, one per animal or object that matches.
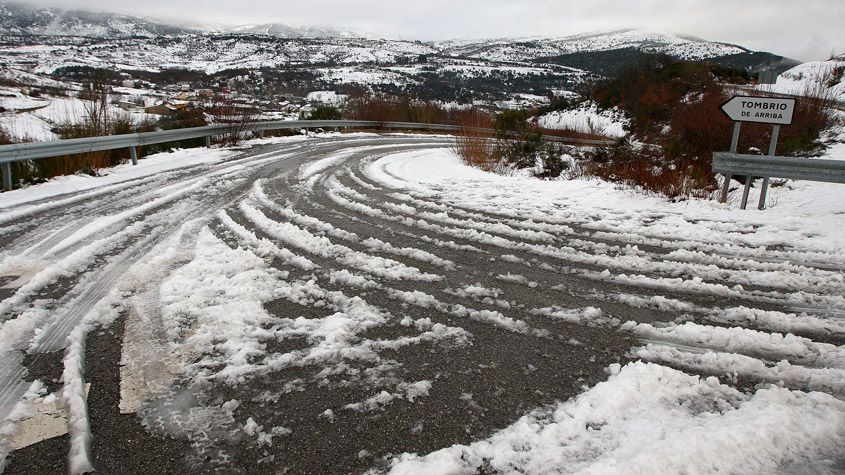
(381, 108)
(376, 108)
(647, 169)
(558, 160)
(97, 121)
(476, 146)
(239, 119)
(507, 143)
(833, 76)
(674, 107)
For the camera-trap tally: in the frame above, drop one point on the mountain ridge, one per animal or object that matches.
(57, 45)
(19, 19)
(25, 20)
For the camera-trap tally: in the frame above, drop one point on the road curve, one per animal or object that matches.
(290, 310)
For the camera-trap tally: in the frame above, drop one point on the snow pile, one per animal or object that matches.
(739, 367)
(590, 316)
(652, 419)
(587, 119)
(323, 247)
(213, 307)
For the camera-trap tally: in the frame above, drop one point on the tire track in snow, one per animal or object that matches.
(367, 299)
(52, 332)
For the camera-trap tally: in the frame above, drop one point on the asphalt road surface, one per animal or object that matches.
(268, 315)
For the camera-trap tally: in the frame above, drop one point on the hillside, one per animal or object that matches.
(448, 70)
(819, 78)
(281, 30)
(647, 41)
(25, 20)
(51, 52)
(121, 42)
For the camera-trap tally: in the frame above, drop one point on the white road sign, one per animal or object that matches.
(764, 110)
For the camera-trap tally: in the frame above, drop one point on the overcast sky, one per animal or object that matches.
(801, 29)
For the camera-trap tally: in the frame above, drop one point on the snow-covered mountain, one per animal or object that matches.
(25, 20)
(647, 41)
(56, 49)
(21, 19)
(281, 30)
(252, 47)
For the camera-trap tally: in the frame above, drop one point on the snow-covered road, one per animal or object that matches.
(368, 303)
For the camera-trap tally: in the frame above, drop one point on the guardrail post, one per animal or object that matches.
(744, 203)
(734, 144)
(773, 143)
(133, 153)
(208, 141)
(7, 176)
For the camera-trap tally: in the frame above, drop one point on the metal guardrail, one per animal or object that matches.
(770, 166)
(830, 171)
(59, 148)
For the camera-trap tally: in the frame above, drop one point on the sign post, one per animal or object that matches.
(761, 110)
(734, 143)
(773, 143)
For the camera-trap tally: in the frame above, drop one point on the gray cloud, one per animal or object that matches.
(805, 30)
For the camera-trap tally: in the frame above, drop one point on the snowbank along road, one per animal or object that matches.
(367, 303)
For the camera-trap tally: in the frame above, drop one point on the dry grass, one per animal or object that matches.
(403, 109)
(573, 134)
(478, 148)
(377, 109)
(647, 171)
(98, 121)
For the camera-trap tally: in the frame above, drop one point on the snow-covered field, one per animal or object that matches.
(32, 119)
(209, 54)
(819, 78)
(364, 302)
